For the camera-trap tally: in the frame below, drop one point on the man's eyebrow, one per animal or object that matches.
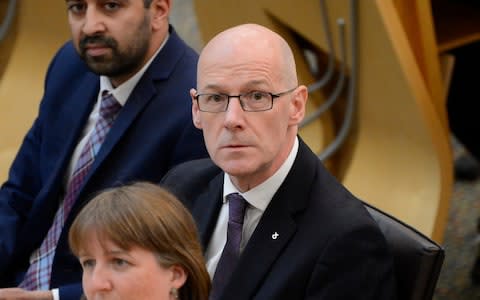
(212, 86)
(249, 84)
(257, 82)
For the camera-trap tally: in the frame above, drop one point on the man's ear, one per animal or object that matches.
(298, 105)
(160, 10)
(195, 110)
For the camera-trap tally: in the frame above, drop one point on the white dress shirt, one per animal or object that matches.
(258, 199)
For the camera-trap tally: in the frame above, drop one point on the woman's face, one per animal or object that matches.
(110, 272)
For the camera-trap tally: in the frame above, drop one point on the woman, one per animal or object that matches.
(139, 242)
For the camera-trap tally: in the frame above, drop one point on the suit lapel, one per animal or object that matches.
(275, 229)
(207, 207)
(142, 94)
(74, 116)
(273, 233)
(77, 114)
(160, 69)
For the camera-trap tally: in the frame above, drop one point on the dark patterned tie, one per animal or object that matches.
(38, 274)
(231, 251)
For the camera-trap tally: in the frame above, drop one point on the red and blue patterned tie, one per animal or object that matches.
(231, 251)
(38, 274)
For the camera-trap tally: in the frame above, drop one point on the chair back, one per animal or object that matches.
(417, 259)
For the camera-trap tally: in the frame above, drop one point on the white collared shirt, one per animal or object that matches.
(258, 199)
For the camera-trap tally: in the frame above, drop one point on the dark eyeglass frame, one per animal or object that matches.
(239, 96)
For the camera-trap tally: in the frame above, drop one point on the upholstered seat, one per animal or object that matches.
(418, 259)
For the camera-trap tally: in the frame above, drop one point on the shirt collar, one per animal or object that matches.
(123, 91)
(261, 195)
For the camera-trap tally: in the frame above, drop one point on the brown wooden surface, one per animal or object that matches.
(39, 29)
(417, 21)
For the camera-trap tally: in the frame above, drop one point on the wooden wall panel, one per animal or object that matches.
(39, 29)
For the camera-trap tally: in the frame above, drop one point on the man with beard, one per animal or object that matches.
(115, 109)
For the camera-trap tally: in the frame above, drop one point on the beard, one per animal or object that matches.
(122, 60)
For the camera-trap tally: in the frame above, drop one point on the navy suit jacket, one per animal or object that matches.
(152, 133)
(328, 246)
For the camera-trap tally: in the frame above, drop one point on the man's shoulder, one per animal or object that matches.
(67, 73)
(66, 69)
(190, 177)
(67, 59)
(177, 43)
(331, 202)
(175, 58)
(192, 171)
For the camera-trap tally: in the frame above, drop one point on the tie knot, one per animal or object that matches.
(236, 207)
(109, 106)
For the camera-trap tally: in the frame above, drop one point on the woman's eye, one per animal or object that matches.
(87, 263)
(120, 263)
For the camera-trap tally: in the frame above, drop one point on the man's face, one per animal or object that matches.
(112, 37)
(249, 146)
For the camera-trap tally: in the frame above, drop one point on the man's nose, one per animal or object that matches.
(93, 22)
(234, 113)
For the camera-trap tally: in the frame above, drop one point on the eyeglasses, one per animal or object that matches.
(252, 101)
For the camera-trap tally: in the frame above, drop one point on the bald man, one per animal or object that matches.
(296, 232)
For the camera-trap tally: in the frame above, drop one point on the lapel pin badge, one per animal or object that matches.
(275, 235)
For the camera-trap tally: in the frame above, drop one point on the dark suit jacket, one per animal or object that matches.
(328, 246)
(152, 133)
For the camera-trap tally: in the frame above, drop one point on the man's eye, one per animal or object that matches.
(76, 8)
(215, 98)
(110, 6)
(258, 96)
